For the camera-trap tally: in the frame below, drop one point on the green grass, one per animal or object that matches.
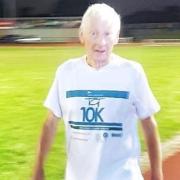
(26, 74)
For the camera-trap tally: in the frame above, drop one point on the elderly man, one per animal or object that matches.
(101, 97)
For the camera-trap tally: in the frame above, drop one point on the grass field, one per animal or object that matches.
(25, 77)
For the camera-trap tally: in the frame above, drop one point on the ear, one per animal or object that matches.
(116, 38)
(81, 38)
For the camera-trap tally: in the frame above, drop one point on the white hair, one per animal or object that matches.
(104, 12)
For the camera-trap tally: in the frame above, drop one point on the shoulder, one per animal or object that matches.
(69, 65)
(127, 64)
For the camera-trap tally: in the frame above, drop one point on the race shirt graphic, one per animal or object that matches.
(92, 112)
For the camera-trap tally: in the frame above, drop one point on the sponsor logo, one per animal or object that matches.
(116, 134)
(105, 135)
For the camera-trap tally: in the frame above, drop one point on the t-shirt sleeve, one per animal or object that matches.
(145, 102)
(52, 101)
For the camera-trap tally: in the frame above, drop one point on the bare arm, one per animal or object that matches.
(149, 126)
(46, 139)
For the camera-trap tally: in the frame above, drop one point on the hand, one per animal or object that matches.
(157, 176)
(39, 174)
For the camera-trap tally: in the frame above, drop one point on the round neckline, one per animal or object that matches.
(101, 68)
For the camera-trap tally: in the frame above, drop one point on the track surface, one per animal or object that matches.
(171, 168)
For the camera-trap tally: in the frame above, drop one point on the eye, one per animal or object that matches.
(107, 33)
(93, 34)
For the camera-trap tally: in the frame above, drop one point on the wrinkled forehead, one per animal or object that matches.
(96, 21)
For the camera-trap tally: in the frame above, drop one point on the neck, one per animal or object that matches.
(96, 64)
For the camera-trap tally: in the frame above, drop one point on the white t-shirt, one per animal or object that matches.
(100, 109)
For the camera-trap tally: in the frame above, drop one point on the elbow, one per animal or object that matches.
(150, 125)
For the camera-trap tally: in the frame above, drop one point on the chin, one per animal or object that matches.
(101, 59)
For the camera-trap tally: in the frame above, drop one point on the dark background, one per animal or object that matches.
(132, 11)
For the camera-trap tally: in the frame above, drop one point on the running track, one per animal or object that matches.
(171, 168)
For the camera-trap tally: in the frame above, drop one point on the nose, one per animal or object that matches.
(101, 41)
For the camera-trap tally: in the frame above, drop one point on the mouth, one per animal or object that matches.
(100, 51)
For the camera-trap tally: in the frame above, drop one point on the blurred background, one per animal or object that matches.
(59, 20)
(38, 35)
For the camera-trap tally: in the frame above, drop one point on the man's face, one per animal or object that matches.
(98, 39)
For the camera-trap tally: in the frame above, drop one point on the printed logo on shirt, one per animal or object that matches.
(98, 93)
(92, 118)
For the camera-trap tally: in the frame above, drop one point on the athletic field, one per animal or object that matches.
(26, 74)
